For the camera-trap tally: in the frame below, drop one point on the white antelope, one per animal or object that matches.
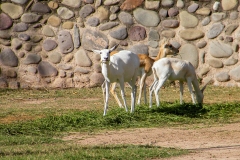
(121, 67)
(175, 69)
(145, 70)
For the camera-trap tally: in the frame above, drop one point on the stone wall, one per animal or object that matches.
(48, 43)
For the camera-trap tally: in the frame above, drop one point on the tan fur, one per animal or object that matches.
(146, 63)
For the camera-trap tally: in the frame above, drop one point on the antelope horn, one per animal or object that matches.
(205, 85)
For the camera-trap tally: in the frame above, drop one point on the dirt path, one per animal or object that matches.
(217, 142)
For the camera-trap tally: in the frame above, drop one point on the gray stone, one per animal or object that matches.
(206, 21)
(113, 17)
(125, 18)
(114, 9)
(45, 69)
(40, 8)
(98, 3)
(228, 39)
(222, 77)
(204, 11)
(97, 68)
(16, 43)
(6, 21)
(153, 35)
(32, 58)
(147, 18)
(5, 34)
(137, 33)
(167, 3)
(72, 3)
(64, 66)
(175, 44)
(139, 48)
(81, 70)
(13, 10)
(36, 38)
(86, 10)
(163, 13)
(234, 15)
(96, 79)
(191, 34)
(38, 49)
(8, 58)
(180, 4)
(153, 44)
(215, 30)
(229, 4)
(30, 17)
(93, 21)
(235, 74)
(154, 5)
(54, 21)
(187, 20)
(5, 42)
(216, 63)
(10, 73)
(203, 71)
(65, 13)
(47, 31)
(68, 58)
(14, 85)
(62, 73)
(82, 59)
(168, 33)
(231, 28)
(218, 16)
(19, 1)
(119, 33)
(216, 6)
(102, 13)
(94, 40)
(108, 25)
(49, 45)
(24, 36)
(202, 57)
(111, 2)
(3, 83)
(230, 61)
(76, 35)
(219, 49)
(55, 57)
(193, 7)
(189, 52)
(65, 42)
(170, 23)
(173, 12)
(27, 47)
(20, 27)
(201, 44)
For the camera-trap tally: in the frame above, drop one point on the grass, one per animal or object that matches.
(33, 121)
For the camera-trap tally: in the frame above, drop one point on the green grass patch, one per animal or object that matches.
(33, 121)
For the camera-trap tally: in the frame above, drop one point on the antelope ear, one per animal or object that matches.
(113, 48)
(96, 51)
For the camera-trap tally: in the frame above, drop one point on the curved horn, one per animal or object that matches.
(205, 85)
(114, 47)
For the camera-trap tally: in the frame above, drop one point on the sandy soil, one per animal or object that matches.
(215, 142)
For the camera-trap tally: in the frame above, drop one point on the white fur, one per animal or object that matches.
(175, 69)
(121, 67)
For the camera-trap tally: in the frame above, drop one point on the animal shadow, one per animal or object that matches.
(185, 109)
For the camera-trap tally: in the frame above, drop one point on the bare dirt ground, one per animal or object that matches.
(212, 142)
